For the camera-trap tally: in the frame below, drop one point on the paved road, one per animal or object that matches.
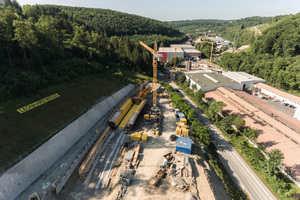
(241, 173)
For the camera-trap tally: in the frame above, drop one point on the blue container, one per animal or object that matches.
(184, 145)
(179, 114)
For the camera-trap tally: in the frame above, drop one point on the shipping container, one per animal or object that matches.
(184, 145)
(180, 113)
(183, 120)
(127, 117)
(184, 131)
(115, 119)
(128, 103)
(178, 131)
(144, 137)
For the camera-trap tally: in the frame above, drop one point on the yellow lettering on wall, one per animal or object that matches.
(38, 103)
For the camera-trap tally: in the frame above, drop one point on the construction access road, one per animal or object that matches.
(238, 169)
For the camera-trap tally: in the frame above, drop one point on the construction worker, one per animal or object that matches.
(152, 141)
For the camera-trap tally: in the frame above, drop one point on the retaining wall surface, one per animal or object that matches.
(19, 177)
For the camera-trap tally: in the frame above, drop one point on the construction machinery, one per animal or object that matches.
(174, 67)
(156, 57)
(212, 48)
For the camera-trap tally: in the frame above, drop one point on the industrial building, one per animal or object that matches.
(243, 78)
(218, 40)
(182, 46)
(182, 50)
(168, 52)
(284, 97)
(209, 81)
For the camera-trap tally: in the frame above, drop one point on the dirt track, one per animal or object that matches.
(269, 136)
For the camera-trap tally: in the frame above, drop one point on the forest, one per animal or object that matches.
(46, 45)
(239, 30)
(273, 56)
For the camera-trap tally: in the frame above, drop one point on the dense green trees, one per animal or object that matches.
(274, 56)
(200, 132)
(241, 31)
(215, 110)
(205, 49)
(45, 45)
(275, 159)
(182, 78)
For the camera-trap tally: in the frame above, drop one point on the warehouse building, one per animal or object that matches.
(192, 53)
(284, 97)
(243, 78)
(209, 81)
(168, 52)
(182, 50)
(182, 46)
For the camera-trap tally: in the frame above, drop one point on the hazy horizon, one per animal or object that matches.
(178, 10)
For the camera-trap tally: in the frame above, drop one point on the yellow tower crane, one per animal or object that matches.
(155, 59)
(212, 47)
(175, 58)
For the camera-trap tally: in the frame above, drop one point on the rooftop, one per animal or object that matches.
(279, 92)
(242, 77)
(184, 46)
(169, 49)
(191, 51)
(211, 79)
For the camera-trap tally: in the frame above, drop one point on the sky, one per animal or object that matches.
(167, 10)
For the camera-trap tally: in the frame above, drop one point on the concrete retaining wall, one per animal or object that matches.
(19, 177)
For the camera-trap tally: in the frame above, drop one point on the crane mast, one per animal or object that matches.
(212, 47)
(155, 59)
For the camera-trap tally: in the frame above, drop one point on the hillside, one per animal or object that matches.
(46, 45)
(104, 21)
(240, 30)
(82, 54)
(274, 55)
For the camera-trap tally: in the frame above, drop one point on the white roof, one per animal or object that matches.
(184, 46)
(191, 51)
(169, 49)
(242, 77)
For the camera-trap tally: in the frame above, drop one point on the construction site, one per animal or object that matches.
(139, 147)
(144, 162)
(136, 145)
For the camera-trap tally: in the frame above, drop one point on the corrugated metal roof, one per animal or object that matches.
(279, 92)
(201, 80)
(242, 77)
